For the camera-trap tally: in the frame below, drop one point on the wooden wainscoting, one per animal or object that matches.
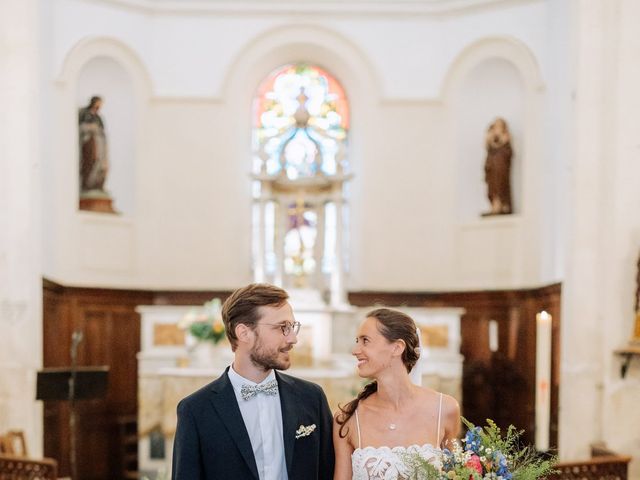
(111, 330)
(499, 385)
(598, 468)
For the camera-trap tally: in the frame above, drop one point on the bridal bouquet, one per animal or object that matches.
(483, 454)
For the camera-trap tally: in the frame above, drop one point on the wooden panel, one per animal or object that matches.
(111, 331)
(498, 385)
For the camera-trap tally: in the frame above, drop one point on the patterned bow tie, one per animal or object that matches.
(269, 388)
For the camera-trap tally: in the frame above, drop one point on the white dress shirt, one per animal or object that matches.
(262, 417)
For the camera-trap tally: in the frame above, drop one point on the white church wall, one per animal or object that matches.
(555, 154)
(621, 233)
(603, 240)
(187, 224)
(20, 217)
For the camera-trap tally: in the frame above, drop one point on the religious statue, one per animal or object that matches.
(94, 161)
(497, 168)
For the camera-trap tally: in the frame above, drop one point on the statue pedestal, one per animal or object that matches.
(96, 202)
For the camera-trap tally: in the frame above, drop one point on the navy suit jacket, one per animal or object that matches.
(212, 442)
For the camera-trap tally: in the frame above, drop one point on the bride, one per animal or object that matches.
(391, 417)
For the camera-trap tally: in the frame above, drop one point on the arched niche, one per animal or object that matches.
(490, 90)
(326, 49)
(110, 69)
(308, 44)
(105, 77)
(494, 77)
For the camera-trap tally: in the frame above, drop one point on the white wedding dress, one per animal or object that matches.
(389, 463)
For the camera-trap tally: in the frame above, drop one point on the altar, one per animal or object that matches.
(169, 368)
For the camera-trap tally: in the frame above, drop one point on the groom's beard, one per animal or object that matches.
(269, 359)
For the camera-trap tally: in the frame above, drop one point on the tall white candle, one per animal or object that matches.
(543, 380)
(493, 335)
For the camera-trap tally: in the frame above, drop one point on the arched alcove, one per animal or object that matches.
(105, 77)
(496, 77)
(490, 78)
(311, 45)
(492, 89)
(110, 69)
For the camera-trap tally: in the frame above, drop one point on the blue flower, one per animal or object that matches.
(448, 461)
(472, 440)
(503, 468)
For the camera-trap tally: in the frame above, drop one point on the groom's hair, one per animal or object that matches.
(243, 307)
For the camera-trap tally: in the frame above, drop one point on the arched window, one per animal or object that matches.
(300, 123)
(299, 140)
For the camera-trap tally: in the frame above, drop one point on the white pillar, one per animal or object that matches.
(20, 244)
(582, 320)
(318, 252)
(281, 212)
(259, 274)
(338, 297)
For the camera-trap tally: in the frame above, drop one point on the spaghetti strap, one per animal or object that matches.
(358, 427)
(439, 417)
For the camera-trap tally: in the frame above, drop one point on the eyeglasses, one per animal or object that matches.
(286, 327)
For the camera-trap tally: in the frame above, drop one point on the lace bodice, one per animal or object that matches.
(386, 463)
(391, 463)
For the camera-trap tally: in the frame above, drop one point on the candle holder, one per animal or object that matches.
(627, 353)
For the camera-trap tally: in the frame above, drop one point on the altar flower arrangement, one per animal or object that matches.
(205, 324)
(484, 453)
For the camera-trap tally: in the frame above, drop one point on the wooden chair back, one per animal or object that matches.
(13, 443)
(20, 468)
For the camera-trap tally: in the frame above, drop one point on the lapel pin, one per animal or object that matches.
(305, 431)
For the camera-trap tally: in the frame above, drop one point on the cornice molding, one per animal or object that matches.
(317, 7)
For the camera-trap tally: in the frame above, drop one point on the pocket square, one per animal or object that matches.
(305, 431)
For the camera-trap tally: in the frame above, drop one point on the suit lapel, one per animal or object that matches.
(225, 403)
(288, 403)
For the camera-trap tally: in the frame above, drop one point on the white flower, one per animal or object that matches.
(305, 431)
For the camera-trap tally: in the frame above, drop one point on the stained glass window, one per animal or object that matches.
(300, 122)
(300, 128)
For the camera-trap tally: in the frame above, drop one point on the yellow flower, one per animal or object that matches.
(218, 327)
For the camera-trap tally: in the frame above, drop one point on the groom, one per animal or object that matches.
(254, 422)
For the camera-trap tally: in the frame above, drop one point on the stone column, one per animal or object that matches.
(281, 208)
(20, 236)
(259, 272)
(338, 297)
(318, 252)
(580, 415)
(620, 231)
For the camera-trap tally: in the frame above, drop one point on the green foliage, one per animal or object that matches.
(206, 331)
(485, 453)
